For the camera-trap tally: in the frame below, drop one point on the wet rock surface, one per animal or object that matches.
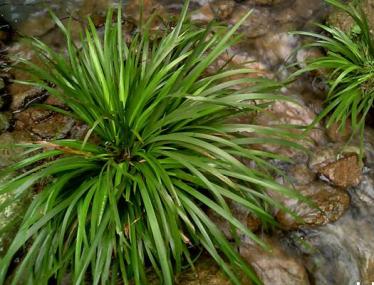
(274, 267)
(338, 164)
(328, 205)
(345, 172)
(43, 124)
(341, 252)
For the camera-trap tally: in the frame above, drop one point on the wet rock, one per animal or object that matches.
(8, 151)
(4, 122)
(256, 25)
(22, 94)
(222, 9)
(329, 205)
(345, 172)
(301, 174)
(337, 135)
(36, 26)
(323, 156)
(57, 127)
(274, 267)
(303, 56)
(52, 100)
(341, 252)
(237, 57)
(23, 99)
(132, 9)
(28, 118)
(277, 48)
(79, 131)
(293, 113)
(338, 164)
(203, 14)
(43, 124)
(239, 212)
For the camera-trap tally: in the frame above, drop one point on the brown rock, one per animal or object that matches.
(54, 101)
(203, 15)
(36, 26)
(43, 124)
(222, 8)
(22, 99)
(79, 131)
(301, 174)
(150, 6)
(330, 205)
(345, 172)
(274, 267)
(26, 119)
(56, 127)
(256, 25)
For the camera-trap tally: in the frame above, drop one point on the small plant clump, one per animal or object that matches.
(165, 152)
(349, 63)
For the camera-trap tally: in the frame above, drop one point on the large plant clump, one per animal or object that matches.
(167, 153)
(349, 64)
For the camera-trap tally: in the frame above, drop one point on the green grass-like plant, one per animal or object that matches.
(349, 64)
(165, 152)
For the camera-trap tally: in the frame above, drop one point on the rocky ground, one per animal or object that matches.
(333, 245)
